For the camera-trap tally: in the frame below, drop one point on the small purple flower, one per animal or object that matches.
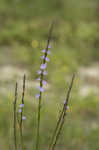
(38, 79)
(44, 50)
(47, 59)
(44, 82)
(23, 118)
(39, 72)
(20, 110)
(43, 57)
(64, 102)
(67, 108)
(49, 46)
(45, 73)
(41, 89)
(21, 105)
(48, 52)
(43, 66)
(37, 96)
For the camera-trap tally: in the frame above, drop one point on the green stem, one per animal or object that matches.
(21, 137)
(21, 121)
(41, 85)
(61, 120)
(15, 101)
(38, 126)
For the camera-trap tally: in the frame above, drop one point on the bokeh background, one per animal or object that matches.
(24, 26)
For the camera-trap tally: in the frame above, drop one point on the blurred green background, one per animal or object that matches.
(24, 26)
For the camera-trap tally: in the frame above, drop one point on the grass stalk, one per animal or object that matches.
(15, 116)
(21, 120)
(41, 85)
(61, 119)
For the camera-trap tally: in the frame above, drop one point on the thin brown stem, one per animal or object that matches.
(61, 118)
(41, 85)
(23, 94)
(21, 120)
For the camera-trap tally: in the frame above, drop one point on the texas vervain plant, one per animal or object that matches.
(42, 72)
(59, 125)
(21, 114)
(18, 116)
(61, 119)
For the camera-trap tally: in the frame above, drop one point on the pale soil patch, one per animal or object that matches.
(90, 79)
(10, 74)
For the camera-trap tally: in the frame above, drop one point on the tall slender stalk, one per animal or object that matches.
(15, 115)
(56, 128)
(21, 120)
(41, 85)
(61, 119)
